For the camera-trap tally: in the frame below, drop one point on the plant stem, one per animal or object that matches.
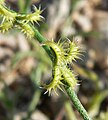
(41, 39)
(68, 89)
(71, 93)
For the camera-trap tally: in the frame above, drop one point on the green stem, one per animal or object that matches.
(71, 93)
(41, 39)
(68, 89)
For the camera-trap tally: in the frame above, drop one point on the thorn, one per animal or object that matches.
(60, 88)
(34, 7)
(41, 87)
(45, 92)
(43, 9)
(42, 17)
(40, 6)
(3, 20)
(42, 44)
(77, 84)
(55, 91)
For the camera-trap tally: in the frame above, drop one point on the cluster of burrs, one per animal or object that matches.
(65, 53)
(23, 22)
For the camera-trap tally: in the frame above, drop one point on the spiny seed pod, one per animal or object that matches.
(26, 29)
(55, 83)
(32, 17)
(8, 14)
(69, 76)
(20, 21)
(5, 26)
(73, 53)
(58, 50)
(64, 55)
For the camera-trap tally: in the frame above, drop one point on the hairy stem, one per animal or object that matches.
(71, 93)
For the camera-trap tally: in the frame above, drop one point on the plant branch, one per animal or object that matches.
(11, 15)
(41, 39)
(71, 93)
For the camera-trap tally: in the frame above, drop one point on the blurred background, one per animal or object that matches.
(24, 65)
